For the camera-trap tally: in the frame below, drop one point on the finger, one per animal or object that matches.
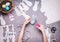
(42, 26)
(37, 27)
(29, 18)
(28, 21)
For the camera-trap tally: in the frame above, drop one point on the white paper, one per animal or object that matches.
(2, 20)
(21, 12)
(51, 9)
(35, 6)
(25, 7)
(48, 34)
(26, 16)
(28, 2)
(20, 7)
(17, 12)
(7, 36)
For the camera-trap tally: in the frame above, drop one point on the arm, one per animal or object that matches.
(22, 30)
(44, 37)
(21, 34)
(43, 33)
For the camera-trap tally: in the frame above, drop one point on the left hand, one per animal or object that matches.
(41, 28)
(27, 21)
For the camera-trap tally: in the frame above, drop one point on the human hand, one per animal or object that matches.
(40, 27)
(27, 21)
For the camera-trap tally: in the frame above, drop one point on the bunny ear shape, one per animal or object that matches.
(2, 20)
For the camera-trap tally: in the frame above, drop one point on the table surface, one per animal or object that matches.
(31, 33)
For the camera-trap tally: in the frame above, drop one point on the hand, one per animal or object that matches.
(27, 21)
(40, 27)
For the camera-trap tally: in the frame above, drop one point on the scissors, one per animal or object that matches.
(6, 6)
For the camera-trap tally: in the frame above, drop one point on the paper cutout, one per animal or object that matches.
(48, 34)
(2, 20)
(8, 34)
(35, 6)
(21, 12)
(25, 7)
(28, 2)
(17, 12)
(11, 17)
(26, 16)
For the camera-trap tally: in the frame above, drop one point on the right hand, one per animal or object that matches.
(41, 28)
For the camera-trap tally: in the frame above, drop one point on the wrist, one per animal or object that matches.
(24, 25)
(42, 31)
